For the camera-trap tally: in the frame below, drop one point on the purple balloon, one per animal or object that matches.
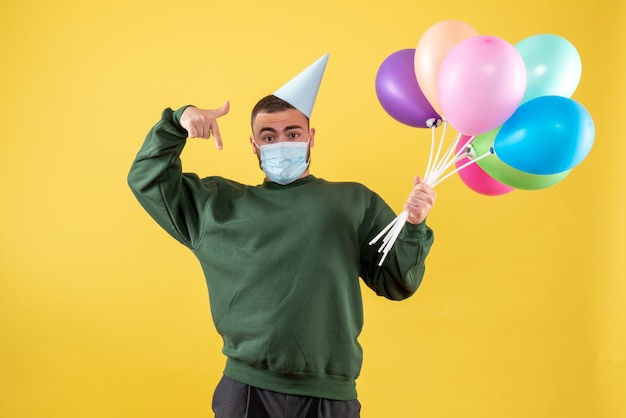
(400, 94)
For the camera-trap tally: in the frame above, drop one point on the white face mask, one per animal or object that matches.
(284, 162)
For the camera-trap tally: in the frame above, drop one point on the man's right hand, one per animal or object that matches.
(202, 123)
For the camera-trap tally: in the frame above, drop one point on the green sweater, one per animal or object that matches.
(282, 264)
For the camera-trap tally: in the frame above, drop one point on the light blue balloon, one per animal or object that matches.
(553, 66)
(546, 135)
(506, 174)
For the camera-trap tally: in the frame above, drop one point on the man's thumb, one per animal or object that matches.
(224, 109)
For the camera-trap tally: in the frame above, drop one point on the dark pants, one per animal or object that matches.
(233, 399)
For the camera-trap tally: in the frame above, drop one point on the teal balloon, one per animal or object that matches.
(506, 174)
(546, 135)
(553, 66)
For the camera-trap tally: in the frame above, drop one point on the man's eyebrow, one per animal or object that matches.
(290, 127)
(274, 131)
(267, 129)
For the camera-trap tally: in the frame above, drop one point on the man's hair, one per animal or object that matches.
(271, 104)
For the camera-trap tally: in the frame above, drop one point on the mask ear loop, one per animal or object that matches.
(308, 152)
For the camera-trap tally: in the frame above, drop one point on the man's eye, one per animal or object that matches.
(294, 135)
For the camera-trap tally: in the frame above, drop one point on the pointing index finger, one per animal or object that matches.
(217, 138)
(215, 130)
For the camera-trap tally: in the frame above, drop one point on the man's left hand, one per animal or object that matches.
(419, 202)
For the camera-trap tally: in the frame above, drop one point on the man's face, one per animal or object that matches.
(288, 125)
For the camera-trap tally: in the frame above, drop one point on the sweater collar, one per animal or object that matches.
(300, 182)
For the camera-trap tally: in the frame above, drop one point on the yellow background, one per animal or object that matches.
(521, 313)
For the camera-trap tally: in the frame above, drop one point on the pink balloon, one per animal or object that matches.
(481, 83)
(432, 49)
(477, 179)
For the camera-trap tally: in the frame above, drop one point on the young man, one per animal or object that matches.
(282, 259)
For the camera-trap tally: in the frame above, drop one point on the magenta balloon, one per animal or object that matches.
(481, 83)
(477, 179)
(398, 92)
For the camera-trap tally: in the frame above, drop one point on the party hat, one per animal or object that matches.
(301, 91)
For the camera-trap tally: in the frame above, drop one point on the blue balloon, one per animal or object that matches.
(546, 135)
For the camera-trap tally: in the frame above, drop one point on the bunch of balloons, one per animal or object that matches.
(511, 102)
(511, 105)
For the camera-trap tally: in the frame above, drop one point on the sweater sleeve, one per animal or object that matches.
(173, 199)
(403, 269)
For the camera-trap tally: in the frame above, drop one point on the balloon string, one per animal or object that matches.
(384, 231)
(434, 170)
(441, 141)
(449, 161)
(394, 229)
(442, 163)
(432, 148)
(395, 232)
(467, 164)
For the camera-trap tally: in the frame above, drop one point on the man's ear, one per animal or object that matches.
(312, 135)
(253, 144)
